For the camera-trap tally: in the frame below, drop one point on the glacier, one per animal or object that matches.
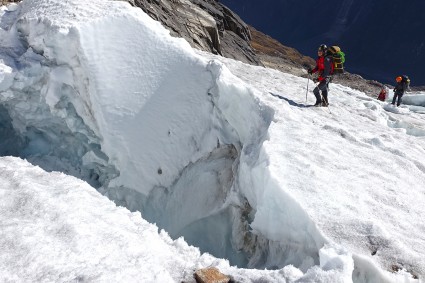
(107, 96)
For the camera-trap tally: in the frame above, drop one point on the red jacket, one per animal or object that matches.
(382, 95)
(324, 66)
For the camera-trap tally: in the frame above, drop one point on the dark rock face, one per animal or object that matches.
(4, 2)
(205, 24)
(381, 39)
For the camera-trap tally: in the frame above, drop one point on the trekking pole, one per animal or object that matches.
(327, 104)
(329, 109)
(308, 80)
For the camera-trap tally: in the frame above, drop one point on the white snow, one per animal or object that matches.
(228, 155)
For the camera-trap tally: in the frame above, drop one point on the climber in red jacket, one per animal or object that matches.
(324, 68)
(383, 94)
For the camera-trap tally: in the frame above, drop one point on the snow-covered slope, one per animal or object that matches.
(222, 153)
(357, 168)
(56, 228)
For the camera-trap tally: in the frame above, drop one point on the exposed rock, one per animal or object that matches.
(277, 56)
(354, 81)
(4, 2)
(234, 33)
(186, 20)
(205, 24)
(211, 275)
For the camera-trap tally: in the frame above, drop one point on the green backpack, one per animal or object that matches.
(338, 59)
(405, 79)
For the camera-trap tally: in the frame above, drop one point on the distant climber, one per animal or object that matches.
(324, 68)
(400, 88)
(383, 94)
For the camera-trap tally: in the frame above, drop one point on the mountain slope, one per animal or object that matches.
(381, 39)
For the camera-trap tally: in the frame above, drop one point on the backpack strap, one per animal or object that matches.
(334, 49)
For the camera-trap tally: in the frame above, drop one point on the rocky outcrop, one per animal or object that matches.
(211, 275)
(277, 56)
(4, 2)
(205, 24)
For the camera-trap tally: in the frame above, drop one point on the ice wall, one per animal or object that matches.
(108, 96)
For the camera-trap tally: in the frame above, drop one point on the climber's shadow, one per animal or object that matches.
(291, 102)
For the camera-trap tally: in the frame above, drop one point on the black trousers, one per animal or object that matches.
(398, 95)
(321, 87)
